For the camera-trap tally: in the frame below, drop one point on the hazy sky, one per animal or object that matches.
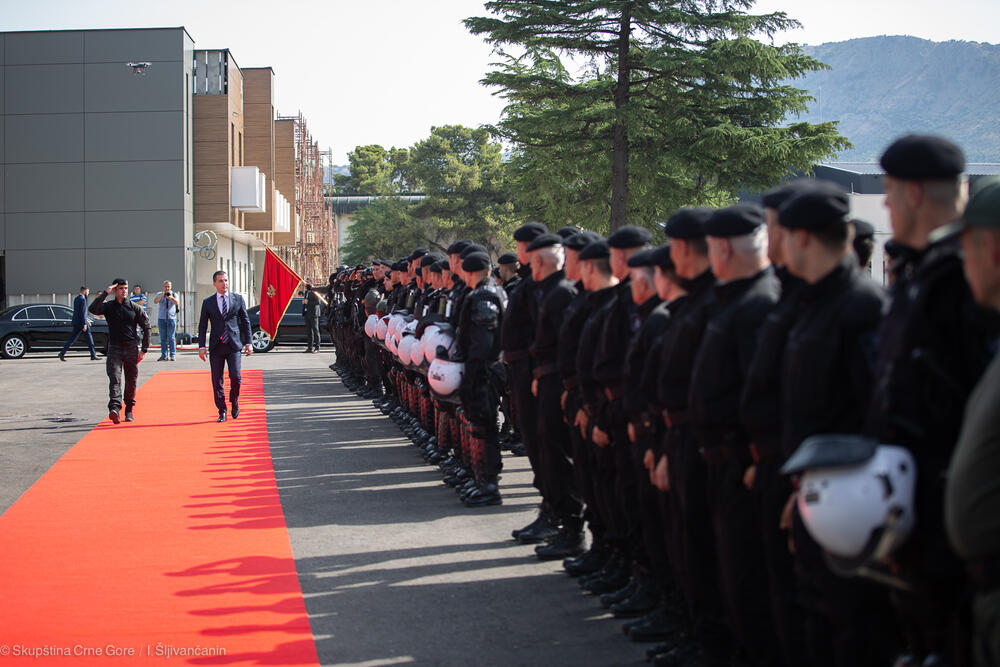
(385, 71)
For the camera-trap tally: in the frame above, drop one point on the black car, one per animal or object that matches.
(291, 329)
(33, 327)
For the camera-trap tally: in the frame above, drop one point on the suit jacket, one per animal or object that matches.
(80, 311)
(236, 323)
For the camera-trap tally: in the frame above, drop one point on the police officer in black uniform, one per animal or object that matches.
(933, 346)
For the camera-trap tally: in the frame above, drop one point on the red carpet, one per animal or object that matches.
(162, 541)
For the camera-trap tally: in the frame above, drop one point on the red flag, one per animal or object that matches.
(276, 292)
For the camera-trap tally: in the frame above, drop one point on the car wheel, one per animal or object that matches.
(261, 341)
(13, 347)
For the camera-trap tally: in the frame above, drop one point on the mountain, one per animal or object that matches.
(882, 87)
(341, 169)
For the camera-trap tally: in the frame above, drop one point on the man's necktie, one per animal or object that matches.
(225, 311)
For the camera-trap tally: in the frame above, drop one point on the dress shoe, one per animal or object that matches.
(161, 358)
(113, 416)
(98, 357)
(222, 416)
(128, 416)
(236, 410)
(567, 543)
(655, 626)
(481, 496)
(613, 582)
(62, 357)
(542, 532)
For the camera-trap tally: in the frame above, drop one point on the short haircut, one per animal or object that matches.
(119, 281)
(83, 288)
(864, 248)
(698, 245)
(834, 236)
(219, 273)
(602, 264)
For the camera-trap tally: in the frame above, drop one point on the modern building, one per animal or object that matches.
(129, 153)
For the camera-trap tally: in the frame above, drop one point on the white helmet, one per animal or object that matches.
(442, 338)
(394, 322)
(390, 343)
(425, 340)
(444, 376)
(382, 327)
(370, 324)
(403, 349)
(856, 498)
(417, 352)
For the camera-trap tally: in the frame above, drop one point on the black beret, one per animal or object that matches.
(430, 258)
(820, 205)
(735, 220)
(529, 231)
(630, 236)
(418, 253)
(439, 266)
(862, 229)
(642, 258)
(545, 241)
(568, 231)
(687, 223)
(775, 197)
(661, 257)
(401, 265)
(507, 258)
(476, 261)
(471, 248)
(458, 246)
(923, 156)
(576, 242)
(596, 250)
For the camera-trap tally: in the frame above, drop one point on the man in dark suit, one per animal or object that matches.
(230, 332)
(81, 324)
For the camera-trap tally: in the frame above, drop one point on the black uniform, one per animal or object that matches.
(553, 295)
(311, 310)
(124, 345)
(934, 344)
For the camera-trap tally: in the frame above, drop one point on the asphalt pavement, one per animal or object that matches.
(393, 568)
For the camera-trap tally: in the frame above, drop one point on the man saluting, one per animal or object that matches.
(230, 332)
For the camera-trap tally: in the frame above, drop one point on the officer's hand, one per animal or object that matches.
(786, 520)
(109, 289)
(631, 432)
(84, 327)
(562, 400)
(248, 349)
(139, 358)
(649, 460)
(600, 438)
(749, 476)
(534, 387)
(581, 422)
(661, 474)
(202, 352)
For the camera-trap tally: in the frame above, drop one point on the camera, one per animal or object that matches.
(167, 293)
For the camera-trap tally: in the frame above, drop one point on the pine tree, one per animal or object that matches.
(680, 97)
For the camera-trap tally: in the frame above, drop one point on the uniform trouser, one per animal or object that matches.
(773, 490)
(986, 629)
(371, 363)
(480, 409)
(692, 522)
(846, 619)
(122, 359)
(554, 454)
(626, 493)
(219, 357)
(526, 413)
(583, 468)
(77, 330)
(650, 519)
(736, 524)
(312, 333)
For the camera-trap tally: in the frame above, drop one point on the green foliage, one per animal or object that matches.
(462, 175)
(376, 171)
(677, 105)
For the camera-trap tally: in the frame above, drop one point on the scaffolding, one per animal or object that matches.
(314, 252)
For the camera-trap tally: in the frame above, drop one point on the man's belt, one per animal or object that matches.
(675, 418)
(511, 356)
(763, 451)
(715, 456)
(984, 573)
(538, 372)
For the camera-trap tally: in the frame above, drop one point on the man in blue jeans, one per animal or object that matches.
(166, 320)
(81, 324)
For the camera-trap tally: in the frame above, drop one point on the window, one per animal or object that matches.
(62, 313)
(39, 313)
(232, 142)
